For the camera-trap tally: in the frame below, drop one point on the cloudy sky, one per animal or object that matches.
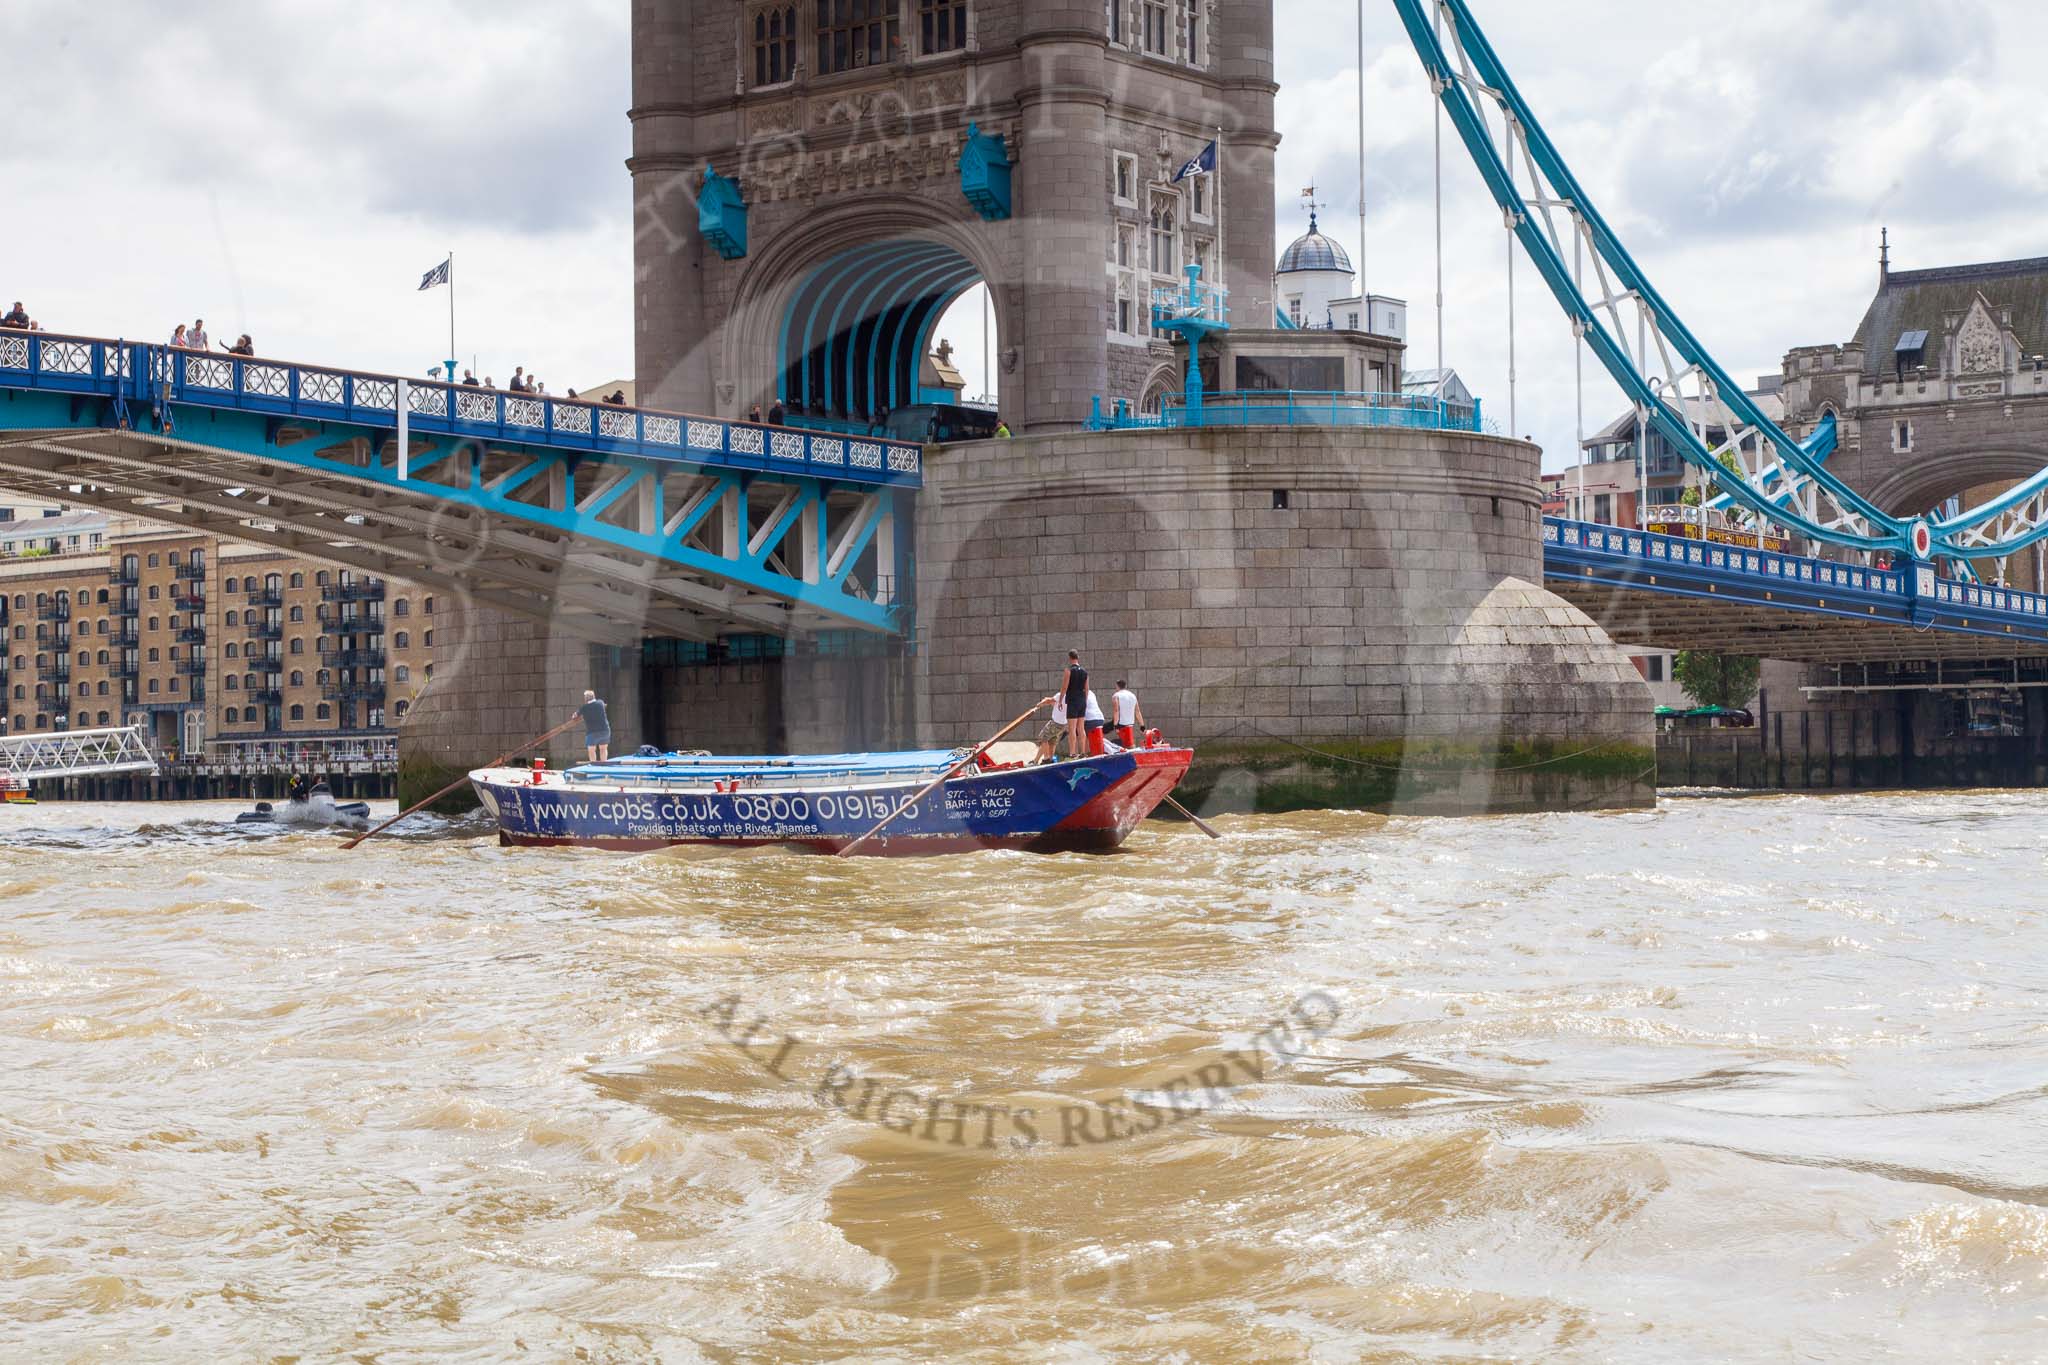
(292, 169)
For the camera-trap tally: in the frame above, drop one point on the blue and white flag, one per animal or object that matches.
(440, 274)
(1201, 165)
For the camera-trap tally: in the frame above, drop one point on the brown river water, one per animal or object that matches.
(1736, 1079)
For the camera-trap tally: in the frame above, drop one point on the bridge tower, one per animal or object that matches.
(816, 181)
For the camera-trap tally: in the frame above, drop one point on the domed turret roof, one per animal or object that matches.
(1314, 252)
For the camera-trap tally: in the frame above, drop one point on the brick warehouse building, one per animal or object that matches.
(817, 182)
(111, 622)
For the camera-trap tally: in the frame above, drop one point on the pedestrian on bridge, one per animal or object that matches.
(197, 338)
(777, 414)
(178, 341)
(597, 728)
(16, 319)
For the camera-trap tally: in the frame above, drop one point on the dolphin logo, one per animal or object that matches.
(1079, 775)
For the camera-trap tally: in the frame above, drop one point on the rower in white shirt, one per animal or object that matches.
(1130, 717)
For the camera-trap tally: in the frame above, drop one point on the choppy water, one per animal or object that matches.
(1757, 1079)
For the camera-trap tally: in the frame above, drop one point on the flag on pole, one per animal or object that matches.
(1201, 165)
(440, 274)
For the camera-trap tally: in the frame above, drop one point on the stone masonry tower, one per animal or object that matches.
(815, 182)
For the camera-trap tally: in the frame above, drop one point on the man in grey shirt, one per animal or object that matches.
(597, 728)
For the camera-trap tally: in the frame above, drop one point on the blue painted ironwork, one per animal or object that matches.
(1478, 80)
(985, 174)
(1909, 594)
(310, 417)
(1193, 313)
(722, 216)
(1288, 408)
(854, 339)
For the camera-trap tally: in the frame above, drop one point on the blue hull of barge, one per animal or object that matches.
(1082, 804)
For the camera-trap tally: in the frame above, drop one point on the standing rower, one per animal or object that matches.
(1074, 687)
(1129, 716)
(597, 728)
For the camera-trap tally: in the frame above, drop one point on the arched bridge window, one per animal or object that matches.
(859, 327)
(775, 45)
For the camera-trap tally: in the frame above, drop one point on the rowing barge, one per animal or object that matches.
(826, 802)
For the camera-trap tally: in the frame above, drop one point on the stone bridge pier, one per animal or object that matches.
(1350, 619)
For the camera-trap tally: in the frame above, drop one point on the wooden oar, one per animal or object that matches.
(503, 759)
(943, 778)
(1200, 823)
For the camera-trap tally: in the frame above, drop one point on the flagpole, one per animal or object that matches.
(1222, 280)
(1364, 285)
(451, 317)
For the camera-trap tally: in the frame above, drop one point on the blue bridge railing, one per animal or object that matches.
(1291, 408)
(142, 375)
(1906, 594)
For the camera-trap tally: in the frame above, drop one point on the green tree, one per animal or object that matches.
(1724, 680)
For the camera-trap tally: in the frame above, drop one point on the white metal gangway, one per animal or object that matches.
(76, 753)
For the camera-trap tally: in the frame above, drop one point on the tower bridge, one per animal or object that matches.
(813, 191)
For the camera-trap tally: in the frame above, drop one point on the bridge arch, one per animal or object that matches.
(835, 319)
(1919, 484)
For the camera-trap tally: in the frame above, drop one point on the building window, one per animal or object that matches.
(428, 641)
(1654, 668)
(1116, 21)
(323, 712)
(1154, 16)
(152, 686)
(1603, 508)
(1902, 437)
(298, 712)
(427, 608)
(856, 33)
(1354, 322)
(231, 649)
(775, 45)
(1124, 179)
(154, 592)
(230, 682)
(402, 640)
(1193, 31)
(153, 656)
(1165, 252)
(227, 585)
(298, 678)
(402, 674)
(1198, 195)
(152, 561)
(942, 25)
(298, 613)
(402, 607)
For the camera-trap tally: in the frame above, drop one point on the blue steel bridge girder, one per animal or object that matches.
(855, 305)
(1663, 367)
(530, 490)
